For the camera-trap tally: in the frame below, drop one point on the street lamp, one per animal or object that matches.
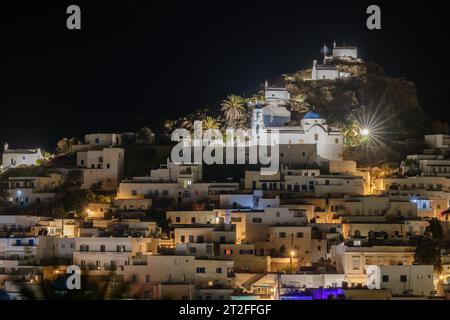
(292, 254)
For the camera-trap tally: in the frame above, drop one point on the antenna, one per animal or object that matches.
(324, 50)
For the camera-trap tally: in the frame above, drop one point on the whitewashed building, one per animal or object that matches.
(344, 51)
(20, 157)
(326, 72)
(416, 280)
(102, 166)
(313, 130)
(25, 191)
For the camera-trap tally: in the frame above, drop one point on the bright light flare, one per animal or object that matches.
(365, 132)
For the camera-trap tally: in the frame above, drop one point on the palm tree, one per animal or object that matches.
(210, 123)
(185, 123)
(168, 124)
(233, 108)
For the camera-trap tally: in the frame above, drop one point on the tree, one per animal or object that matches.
(169, 124)
(283, 250)
(186, 123)
(233, 108)
(146, 135)
(210, 123)
(350, 131)
(114, 288)
(436, 229)
(428, 252)
(440, 127)
(64, 145)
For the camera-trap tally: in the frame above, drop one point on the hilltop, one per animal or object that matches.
(370, 96)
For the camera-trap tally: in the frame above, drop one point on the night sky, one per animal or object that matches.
(137, 63)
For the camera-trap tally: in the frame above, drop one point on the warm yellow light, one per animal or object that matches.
(441, 277)
(292, 253)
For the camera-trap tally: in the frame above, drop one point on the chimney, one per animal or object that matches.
(6, 146)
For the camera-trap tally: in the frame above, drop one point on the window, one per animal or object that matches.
(257, 220)
(200, 239)
(177, 219)
(402, 278)
(193, 250)
(228, 252)
(200, 270)
(176, 262)
(356, 264)
(316, 137)
(134, 192)
(191, 238)
(82, 162)
(336, 140)
(236, 219)
(147, 278)
(278, 214)
(192, 219)
(108, 166)
(182, 238)
(282, 235)
(300, 234)
(102, 248)
(219, 270)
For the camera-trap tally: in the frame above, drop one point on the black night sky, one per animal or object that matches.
(137, 63)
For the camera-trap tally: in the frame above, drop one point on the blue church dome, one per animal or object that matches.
(311, 115)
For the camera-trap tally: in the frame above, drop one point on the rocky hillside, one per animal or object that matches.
(370, 93)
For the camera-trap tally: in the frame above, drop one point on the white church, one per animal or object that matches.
(274, 117)
(327, 71)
